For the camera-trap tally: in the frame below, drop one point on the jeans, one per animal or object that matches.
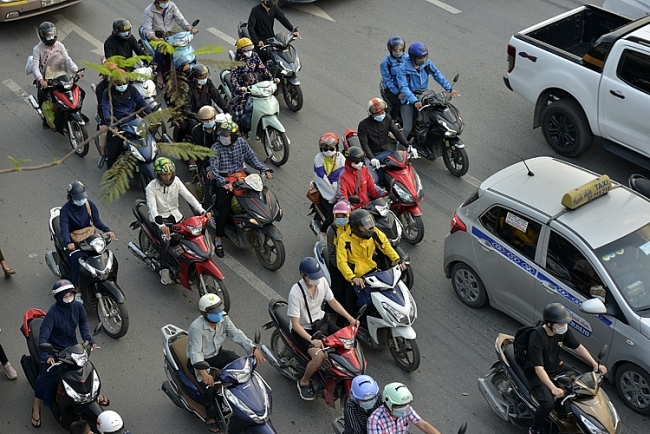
(408, 112)
(378, 175)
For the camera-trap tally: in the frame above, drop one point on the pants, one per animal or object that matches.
(115, 145)
(378, 175)
(544, 396)
(46, 383)
(328, 212)
(3, 356)
(209, 394)
(394, 103)
(73, 260)
(264, 54)
(222, 206)
(208, 187)
(408, 112)
(164, 244)
(327, 327)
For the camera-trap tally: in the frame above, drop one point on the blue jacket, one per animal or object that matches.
(418, 79)
(390, 68)
(59, 326)
(73, 217)
(124, 103)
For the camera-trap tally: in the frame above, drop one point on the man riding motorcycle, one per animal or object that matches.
(365, 399)
(206, 134)
(355, 180)
(389, 69)
(395, 416)
(202, 93)
(260, 24)
(122, 42)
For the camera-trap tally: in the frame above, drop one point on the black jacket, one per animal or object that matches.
(260, 22)
(203, 96)
(373, 135)
(116, 46)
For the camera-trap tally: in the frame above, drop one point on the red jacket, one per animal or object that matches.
(348, 185)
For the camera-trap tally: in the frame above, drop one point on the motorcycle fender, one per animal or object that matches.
(93, 410)
(459, 145)
(265, 428)
(112, 288)
(406, 332)
(272, 121)
(148, 169)
(79, 117)
(208, 267)
(328, 392)
(414, 210)
(272, 232)
(294, 80)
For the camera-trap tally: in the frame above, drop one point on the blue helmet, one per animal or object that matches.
(418, 49)
(394, 42)
(311, 268)
(364, 388)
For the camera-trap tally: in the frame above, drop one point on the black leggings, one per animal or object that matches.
(222, 207)
(394, 103)
(3, 356)
(328, 212)
(114, 147)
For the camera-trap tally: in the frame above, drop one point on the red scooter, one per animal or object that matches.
(405, 186)
(190, 252)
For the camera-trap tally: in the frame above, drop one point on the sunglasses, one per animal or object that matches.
(329, 148)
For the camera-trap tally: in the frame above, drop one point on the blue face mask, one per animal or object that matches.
(163, 5)
(400, 412)
(125, 35)
(80, 202)
(368, 405)
(208, 125)
(121, 88)
(379, 118)
(215, 317)
(341, 221)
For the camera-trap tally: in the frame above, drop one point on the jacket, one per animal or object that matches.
(373, 135)
(73, 217)
(118, 46)
(326, 174)
(348, 185)
(162, 200)
(42, 53)
(260, 22)
(413, 79)
(59, 326)
(354, 254)
(390, 68)
(123, 103)
(152, 19)
(204, 95)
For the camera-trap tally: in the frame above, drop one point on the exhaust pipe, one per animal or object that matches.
(52, 261)
(140, 255)
(493, 397)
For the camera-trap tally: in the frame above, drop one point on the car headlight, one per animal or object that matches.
(402, 193)
(259, 419)
(398, 316)
(98, 245)
(592, 426)
(136, 153)
(80, 359)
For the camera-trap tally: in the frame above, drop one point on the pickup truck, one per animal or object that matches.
(587, 71)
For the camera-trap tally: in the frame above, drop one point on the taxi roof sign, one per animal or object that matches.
(587, 192)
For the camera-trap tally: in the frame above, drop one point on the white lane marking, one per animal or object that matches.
(314, 10)
(444, 6)
(470, 179)
(251, 278)
(222, 35)
(66, 26)
(17, 90)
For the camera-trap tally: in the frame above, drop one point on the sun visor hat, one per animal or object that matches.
(215, 308)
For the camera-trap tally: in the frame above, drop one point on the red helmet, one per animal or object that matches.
(376, 105)
(328, 139)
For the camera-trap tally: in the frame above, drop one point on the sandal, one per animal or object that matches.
(36, 423)
(104, 402)
(212, 426)
(9, 272)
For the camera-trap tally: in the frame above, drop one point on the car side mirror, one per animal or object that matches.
(46, 347)
(594, 306)
(202, 365)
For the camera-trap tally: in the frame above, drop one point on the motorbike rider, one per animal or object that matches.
(59, 328)
(243, 76)
(414, 77)
(260, 24)
(354, 255)
(205, 134)
(232, 151)
(328, 164)
(389, 69)
(110, 422)
(338, 284)
(373, 135)
(80, 427)
(365, 399)
(122, 42)
(77, 214)
(204, 343)
(395, 416)
(162, 200)
(355, 180)
(543, 361)
(307, 317)
(103, 84)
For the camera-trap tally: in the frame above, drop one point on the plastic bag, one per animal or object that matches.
(29, 66)
(48, 111)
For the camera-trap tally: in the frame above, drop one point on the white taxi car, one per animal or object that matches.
(544, 231)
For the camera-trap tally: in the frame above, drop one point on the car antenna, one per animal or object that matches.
(530, 173)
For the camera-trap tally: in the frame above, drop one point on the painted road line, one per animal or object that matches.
(221, 35)
(473, 181)
(257, 284)
(444, 6)
(314, 10)
(17, 90)
(66, 26)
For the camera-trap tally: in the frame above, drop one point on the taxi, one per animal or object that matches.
(543, 231)
(11, 10)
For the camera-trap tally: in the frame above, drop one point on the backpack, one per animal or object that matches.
(522, 337)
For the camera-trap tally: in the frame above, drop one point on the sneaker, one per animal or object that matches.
(165, 277)
(101, 161)
(306, 392)
(218, 250)
(9, 371)
(77, 297)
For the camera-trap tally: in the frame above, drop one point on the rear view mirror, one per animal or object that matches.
(456, 78)
(196, 22)
(593, 306)
(317, 335)
(98, 329)
(362, 310)
(258, 337)
(603, 353)
(463, 428)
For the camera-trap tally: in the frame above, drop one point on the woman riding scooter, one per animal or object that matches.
(328, 164)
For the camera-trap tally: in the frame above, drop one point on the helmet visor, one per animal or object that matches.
(365, 227)
(215, 308)
(48, 34)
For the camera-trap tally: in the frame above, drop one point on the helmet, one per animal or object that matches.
(364, 388)
(394, 42)
(376, 105)
(107, 69)
(311, 268)
(354, 154)
(210, 303)
(76, 191)
(227, 128)
(179, 62)
(62, 286)
(396, 394)
(244, 43)
(109, 422)
(47, 33)
(556, 313)
(119, 75)
(362, 223)
(206, 113)
(200, 70)
(121, 25)
(418, 49)
(328, 139)
(164, 166)
(342, 207)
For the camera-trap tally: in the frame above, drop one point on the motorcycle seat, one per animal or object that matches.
(226, 78)
(509, 351)
(179, 352)
(56, 225)
(143, 214)
(283, 319)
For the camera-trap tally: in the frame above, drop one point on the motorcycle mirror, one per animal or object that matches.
(159, 220)
(258, 337)
(317, 335)
(47, 347)
(354, 199)
(463, 428)
(202, 365)
(603, 352)
(196, 22)
(98, 329)
(456, 78)
(362, 310)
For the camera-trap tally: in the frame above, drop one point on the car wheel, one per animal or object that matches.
(468, 286)
(633, 385)
(566, 128)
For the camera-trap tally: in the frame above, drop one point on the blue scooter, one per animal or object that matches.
(179, 40)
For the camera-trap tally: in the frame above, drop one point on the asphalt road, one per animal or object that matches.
(340, 57)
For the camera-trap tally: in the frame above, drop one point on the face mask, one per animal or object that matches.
(121, 88)
(420, 61)
(248, 54)
(267, 3)
(311, 282)
(397, 54)
(379, 118)
(400, 412)
(163, 5)
(215, 317)
(368, 405)
(358, 165)
(80, 202)
(562, 330)
(202, 82)
(341, 221)
(329, 153)
(68, 300)
(224, 140)
(125, 35)
(208, 125)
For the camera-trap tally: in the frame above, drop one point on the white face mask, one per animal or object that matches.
(310, 282)
(248, 54)
(358, 165)
(68, 300)
(562, 330)
(329, 153)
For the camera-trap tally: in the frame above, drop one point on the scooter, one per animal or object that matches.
(260, 116)
(243, 397)
(143, 147)
(283, 63)
(190, 252)
(179, 40)
(345, 359)
(436, 130)
(585, 408)
(97, 276)
(63, 102)
(338, 425)
(79, 384)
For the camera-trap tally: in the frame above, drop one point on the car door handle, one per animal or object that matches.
(486, 244)
(548, 287)
(528, 56)
(617, 94)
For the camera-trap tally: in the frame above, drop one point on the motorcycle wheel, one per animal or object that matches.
(406, 353)
(500, 381)
(77, 135)
(213, 286)
(282, 351)
(413, 227)
(408, 277)
(270, 252)
(146, 245)
(292, 96)
(276, 146)
(456, 160)
(113, 316)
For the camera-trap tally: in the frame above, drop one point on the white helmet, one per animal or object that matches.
(210, 303)
(109, 422)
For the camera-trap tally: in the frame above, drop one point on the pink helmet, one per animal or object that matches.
(342, 207)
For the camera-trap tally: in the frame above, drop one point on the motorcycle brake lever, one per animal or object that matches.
(567, 397)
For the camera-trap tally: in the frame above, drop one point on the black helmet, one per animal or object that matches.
(310, 267)
(362, 223)
(62, 286)
(76, 191)
(47, 33)
(200, 70)
(121, 25)
(354, 154)
(556, 313)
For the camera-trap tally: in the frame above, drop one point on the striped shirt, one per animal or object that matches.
(230, 159)
(356, 418)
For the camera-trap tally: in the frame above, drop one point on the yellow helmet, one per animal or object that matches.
(244, 42)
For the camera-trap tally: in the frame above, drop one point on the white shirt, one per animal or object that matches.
(162, 200)
(297, 308)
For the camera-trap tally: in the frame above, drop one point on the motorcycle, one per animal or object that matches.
(179, 40)
(243, 397)
(97, 276)
(436, 130)
(283, 63)
(63, 102)
(338, 425)
(79, 384)
(190, 252)
(640, 184)
(585, 408)
(260, 116)
(345, 359)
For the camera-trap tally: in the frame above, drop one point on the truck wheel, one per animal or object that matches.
(565, 128)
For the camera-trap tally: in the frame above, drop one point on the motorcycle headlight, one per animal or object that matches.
(98, 245)
(95, 272)
(298, 64)
(402, 193)
(418, 185)
(241, 375)
(341, 368)
(259, 419)
(398, 316)
(383, 210)
(449, 132)
(82, 398)
(154, 150)
(136, 153)
(80, 359)
(195, 230)
(413, 311)
(614, 414)
(592, 426)
(347, 343)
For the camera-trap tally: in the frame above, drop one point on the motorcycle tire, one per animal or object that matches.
(406, 354)
(456, 160)
(270, 252)
(213, 286)
(147, 246)
(78, 137)
(113, 316)
(292, 96)
(412, 227)
(276, 146)
(408, 278)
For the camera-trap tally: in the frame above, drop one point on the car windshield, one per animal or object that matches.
(627, 261)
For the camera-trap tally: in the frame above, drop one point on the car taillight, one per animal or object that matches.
(457, 224)
(512, 52)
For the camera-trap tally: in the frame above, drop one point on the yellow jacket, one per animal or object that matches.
(354, 254)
